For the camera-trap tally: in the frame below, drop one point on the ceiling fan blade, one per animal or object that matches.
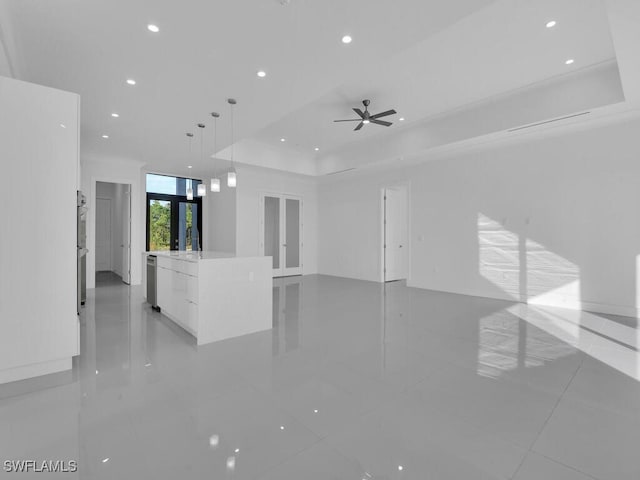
(359, 112)
(380, 122)
(360, 125)
(351, 120)
(383, 114)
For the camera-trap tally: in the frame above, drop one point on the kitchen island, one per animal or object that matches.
(214, 295)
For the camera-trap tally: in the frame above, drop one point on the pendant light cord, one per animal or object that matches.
(232, 102)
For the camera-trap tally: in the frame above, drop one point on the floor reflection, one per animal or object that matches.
(286, 314)
(354, 380)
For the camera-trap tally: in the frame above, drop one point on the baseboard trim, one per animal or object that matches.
(34, 370)
(593, 307)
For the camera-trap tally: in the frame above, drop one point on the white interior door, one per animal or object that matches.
(282, 233)
(103, 234)
(395, 234)
(126, 235)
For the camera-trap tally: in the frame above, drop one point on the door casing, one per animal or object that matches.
(283, 271)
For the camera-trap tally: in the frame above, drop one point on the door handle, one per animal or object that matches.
(400, 246)
(284, 244)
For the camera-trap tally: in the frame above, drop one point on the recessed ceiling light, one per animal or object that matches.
(317, 148)
(262, 74)
(400, 467)
(105, 136)
(153, 28)
(569, 62)
(401, 119)
(283, 139)
(115, 115)
(551, 23)
(237, 450)
(131, 81)
(281, 427)
(347, 39)
(63, 125)
(189, 166)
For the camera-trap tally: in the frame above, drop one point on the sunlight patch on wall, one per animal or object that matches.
(551, 279)
(499, 255)
(524, 269)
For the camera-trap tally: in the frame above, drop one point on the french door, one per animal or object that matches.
(281, 233)
(173, 222)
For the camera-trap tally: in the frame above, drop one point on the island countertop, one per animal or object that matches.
(191, 256)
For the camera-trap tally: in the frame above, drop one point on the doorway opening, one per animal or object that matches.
(395, 233)
(281, 233)
(113, 233)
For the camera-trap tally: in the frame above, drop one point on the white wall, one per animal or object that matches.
(255, 181)
(553, 221)
(39, 156)
(115, 170)
(220, 215)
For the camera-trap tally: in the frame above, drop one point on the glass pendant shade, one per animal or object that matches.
(231, 178)
(202, 190)
(189, 193)
(215, 184)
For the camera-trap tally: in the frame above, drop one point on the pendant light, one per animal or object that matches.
(202, 189)
(215, 181)
(189, 189)
(232, 180)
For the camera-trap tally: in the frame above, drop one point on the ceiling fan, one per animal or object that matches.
(366, 117)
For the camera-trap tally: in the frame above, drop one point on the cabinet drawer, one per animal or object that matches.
(192, 289)
(192, 318)
(188, 268)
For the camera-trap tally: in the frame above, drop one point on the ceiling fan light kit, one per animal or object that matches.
(366, 118)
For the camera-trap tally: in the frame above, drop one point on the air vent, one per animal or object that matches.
(548, 121)
(340, 171)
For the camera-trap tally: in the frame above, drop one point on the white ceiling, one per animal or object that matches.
(421, 57)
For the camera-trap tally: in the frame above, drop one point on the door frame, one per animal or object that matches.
(284, 272)
(175, 201)
(126, 255)
(382, 259)
(110, 265)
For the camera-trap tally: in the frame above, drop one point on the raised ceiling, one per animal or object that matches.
(422, 57)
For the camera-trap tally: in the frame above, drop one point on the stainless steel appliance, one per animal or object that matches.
(152, 282)
(82, 249)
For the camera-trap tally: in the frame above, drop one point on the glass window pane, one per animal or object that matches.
(188, 226)
(272, 229)
(292, 216)
(170, 185)
(161, 184)
(159, 225)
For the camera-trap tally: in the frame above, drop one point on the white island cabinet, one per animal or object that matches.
(215, 295)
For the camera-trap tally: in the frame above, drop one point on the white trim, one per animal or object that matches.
(406, 185)
(594, 307)
(283, 197)
(34, 370)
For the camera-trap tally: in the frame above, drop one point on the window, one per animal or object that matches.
(173, 222)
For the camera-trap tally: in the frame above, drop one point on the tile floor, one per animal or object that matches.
(356, 381)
